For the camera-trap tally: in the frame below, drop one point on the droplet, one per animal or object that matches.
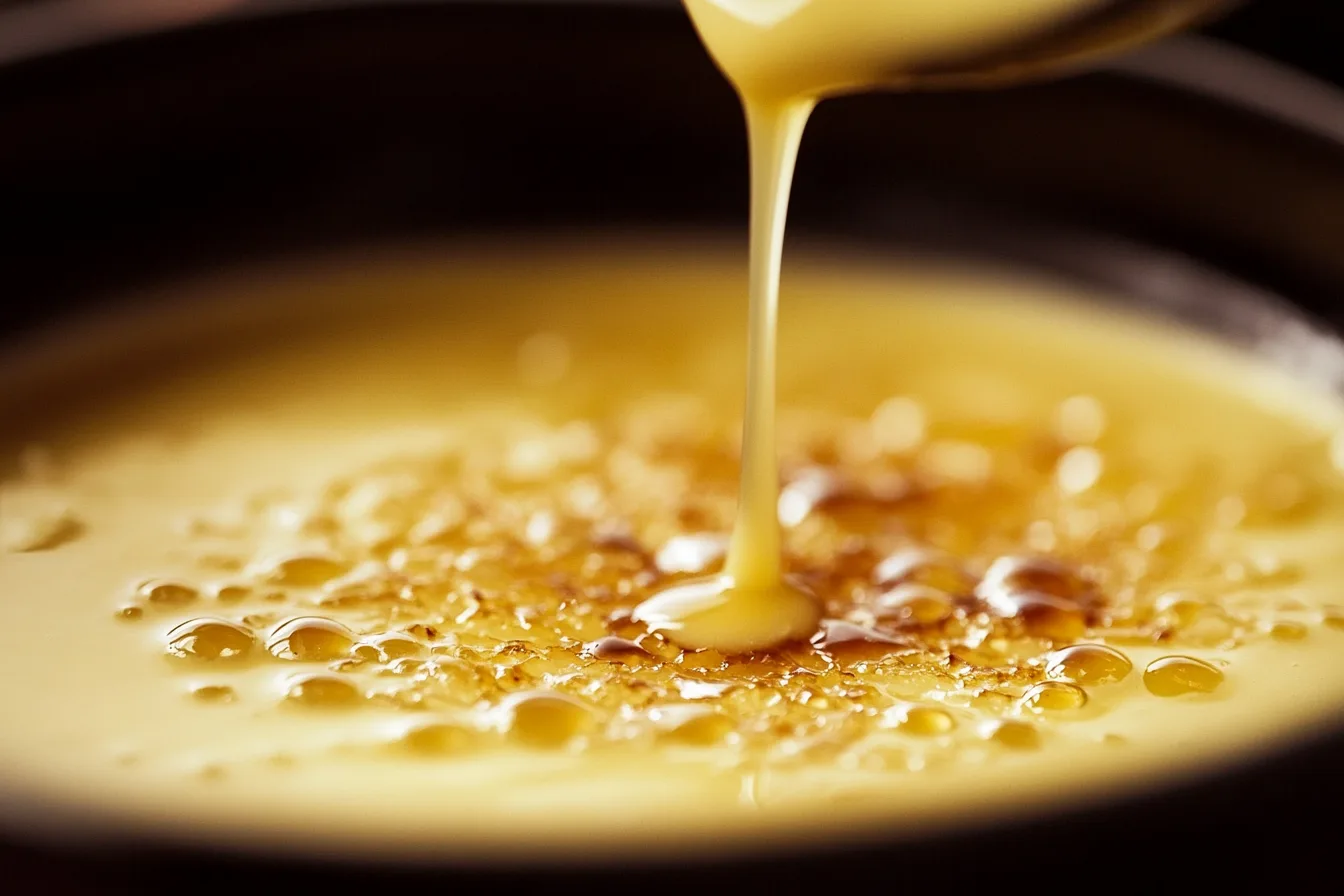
(617, 650)
(1041, 574)
(440, 739)
(305, 570)
(230, 594)
(215, 693)
(1012, 734)
(924, 721)
(1053, 696)
(546, 719)
(310, 639)
(849, 641)
(210, 639)
(1088, 664)
(915, 566)
(1286, 630)
(323, 692)
(396, 646)
(166, 593)
(913, 603)
(1172, 676)
(130, 613)
(1042, 615)
(699, 728)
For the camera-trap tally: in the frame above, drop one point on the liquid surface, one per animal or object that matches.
(783, 56)
(349, 556)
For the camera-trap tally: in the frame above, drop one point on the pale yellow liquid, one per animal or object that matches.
(783, 56)
(456, 425)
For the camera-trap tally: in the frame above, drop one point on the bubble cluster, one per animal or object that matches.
(978, 597)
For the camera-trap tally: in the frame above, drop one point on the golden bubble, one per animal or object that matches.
(925, 721)
(1088, 664)
(311, 639)
(923, 567)
(210, 639)
(396, 646)
(915, 603)
(440, 739)
(215, 693)
(1053, 696)
(1288, 631)
(617, 650)
(1042, 615)
(323, 692)
(1172, 676)
(1012, 734)
(703, 728)
(166, 594)
(546, 719)
(130, 613)
(1333, 617)
(230, 594)
(306, 570)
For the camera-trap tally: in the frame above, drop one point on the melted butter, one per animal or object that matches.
(783, 56)
(376, 611)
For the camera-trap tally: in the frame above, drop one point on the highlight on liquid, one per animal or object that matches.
(351, 554)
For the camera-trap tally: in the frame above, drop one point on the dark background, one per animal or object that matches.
(1305, 33)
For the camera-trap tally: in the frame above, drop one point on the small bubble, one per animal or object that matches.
(311, 639)
(215, 693)
(1288, 631)
(1088, 664)
(546, 719)
(305, 570)
(1032, 574)
(130, 613)
(922, 567)
(701, 728)
(1172, 676)
(1042, 615)
(323, 692)
(440, 739)
(393, 646)
(166, 594)
(1053, 696)
(210, 639)
(915, 603)
(924, 721)
(1333, 617)
(230, 594)
(615, 649)
(1012, 734)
